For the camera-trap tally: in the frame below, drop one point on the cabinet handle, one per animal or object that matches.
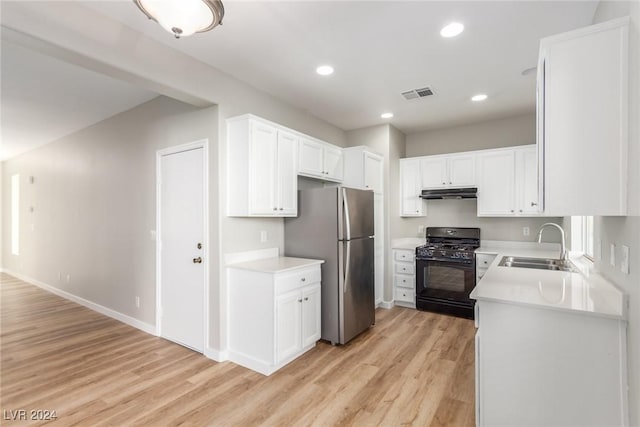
(306, 298)
(303, 279)
(275, 209)
(511, 210)
(417, 211)
(533, 204)
(450, 183)
(520, 210)
(300, 300)
(281, 209)
(444, 183)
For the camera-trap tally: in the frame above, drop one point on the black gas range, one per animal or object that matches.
(445, 270)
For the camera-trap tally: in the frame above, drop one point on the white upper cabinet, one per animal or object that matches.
(261, 168)
(583, 120)
(363, 169)
(410, 188)
(507, 182)
(320, 160)
(455, 170)
(496, 189)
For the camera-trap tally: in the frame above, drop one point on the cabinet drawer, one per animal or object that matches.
(405, 268)
(405, 295)
(297, 279)
(404, 255)
(484, 260)
(405, 281)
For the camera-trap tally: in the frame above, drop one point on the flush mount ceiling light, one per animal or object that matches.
(183, 17)
(479, 97)
(451, 30)
(386, 115)
(324, 70)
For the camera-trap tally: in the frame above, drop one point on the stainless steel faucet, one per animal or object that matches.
(563, 249)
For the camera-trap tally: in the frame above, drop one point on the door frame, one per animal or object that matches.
(204, 145)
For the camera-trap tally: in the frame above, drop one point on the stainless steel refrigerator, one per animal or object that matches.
(336, 225)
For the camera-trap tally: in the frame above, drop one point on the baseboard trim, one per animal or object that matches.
(386, 304)
(131, 321)
(217, 355)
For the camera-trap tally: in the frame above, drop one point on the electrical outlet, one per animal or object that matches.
(421, 229)
(137, 302)
(152, 234)
(612, 255)
(624, 260)
(526, 231)
(263, 236)
(68, 278)
(59, 276)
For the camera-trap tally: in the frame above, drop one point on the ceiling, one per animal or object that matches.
(378, 49)
(44, 99)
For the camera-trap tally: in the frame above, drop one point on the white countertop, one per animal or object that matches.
(585, 292)
(276, 265)
(407, 243)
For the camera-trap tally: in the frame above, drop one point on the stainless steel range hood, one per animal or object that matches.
(450, 193)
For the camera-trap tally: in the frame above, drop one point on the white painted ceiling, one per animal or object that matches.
(44, 99)
(378, 49)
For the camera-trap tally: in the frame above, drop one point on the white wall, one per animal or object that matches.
(626, 230)
(94, 204)
(506, 132)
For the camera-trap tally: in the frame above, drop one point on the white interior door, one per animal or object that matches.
(182, 277)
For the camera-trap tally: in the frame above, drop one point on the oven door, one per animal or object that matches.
(445, 280)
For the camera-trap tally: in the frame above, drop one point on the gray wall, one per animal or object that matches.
(626, 230)
(516, 130)
(94, 205)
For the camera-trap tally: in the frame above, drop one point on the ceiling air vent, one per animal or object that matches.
(418, 93)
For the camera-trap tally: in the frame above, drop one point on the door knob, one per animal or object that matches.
(197, 260)
(533, 204)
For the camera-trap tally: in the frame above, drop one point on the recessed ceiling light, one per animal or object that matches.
(386, 115)
(324, 70)
(452, 29)
(479, 97)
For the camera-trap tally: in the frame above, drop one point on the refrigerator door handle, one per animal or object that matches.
(346, 267)
(346, 213)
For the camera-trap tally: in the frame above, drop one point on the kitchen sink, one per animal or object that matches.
(537, 263)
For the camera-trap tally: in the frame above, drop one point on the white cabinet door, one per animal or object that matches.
(433, 172)
(461, 170)
(410, 204)
(311, 315)
(583, 104)
(373, 172)
(288, 325)
(527, 181)
(310, 160)
(496, 175)
(263, 152)
(287, 179)
(333, 163)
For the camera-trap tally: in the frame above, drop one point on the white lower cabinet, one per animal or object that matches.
(483, 261)
(404, 278)
(545, 367)
(273, 317)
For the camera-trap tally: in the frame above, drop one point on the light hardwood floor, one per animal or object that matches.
(411, 368)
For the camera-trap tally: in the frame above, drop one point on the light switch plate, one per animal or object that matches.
(612, 256)
(624, 260)
(526, 231)
(263, 236)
